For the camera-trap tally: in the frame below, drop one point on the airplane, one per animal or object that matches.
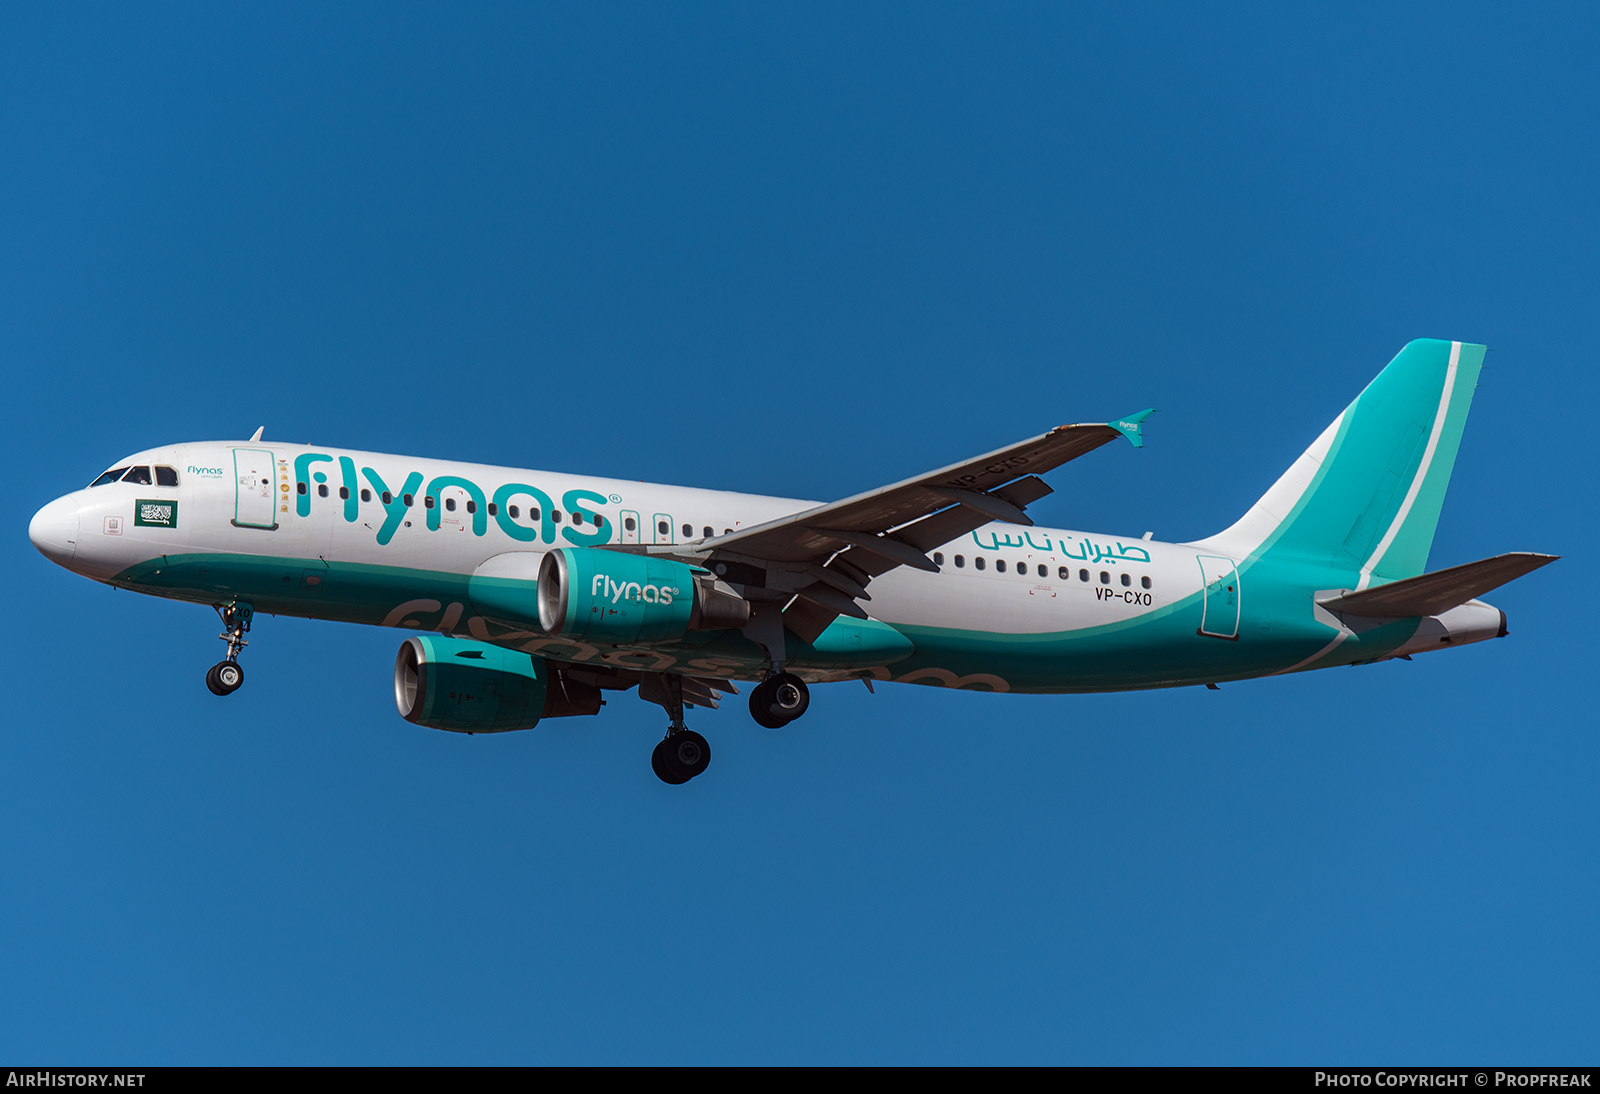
(538, 593)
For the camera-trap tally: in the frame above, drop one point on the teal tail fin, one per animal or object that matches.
(1366, 495)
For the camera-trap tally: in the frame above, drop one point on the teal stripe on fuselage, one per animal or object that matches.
(1156, 648)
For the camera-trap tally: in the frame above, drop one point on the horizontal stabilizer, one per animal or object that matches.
(1431, 594)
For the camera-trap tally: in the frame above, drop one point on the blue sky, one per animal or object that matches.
(799, 252)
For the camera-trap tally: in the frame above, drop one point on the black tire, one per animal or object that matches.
(666, 767)
(761, 708)
(690, 751)
(225, 677)
(790, 697)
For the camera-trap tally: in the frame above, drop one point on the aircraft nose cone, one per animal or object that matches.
(54, 531)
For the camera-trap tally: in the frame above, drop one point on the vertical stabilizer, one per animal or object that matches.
(1366, 495)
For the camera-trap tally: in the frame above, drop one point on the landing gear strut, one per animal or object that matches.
(779, 700)
(682, 753)
(226, 675)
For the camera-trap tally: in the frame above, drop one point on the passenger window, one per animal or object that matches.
(344, 493)
(555, 516)
(166, 476)
(322, 490)
(1127, 579)
(978, 563)
(1043, 570)
(300, 488)
(387, 497)
(708, 531)
(629, 523)
(960, 562)
(662, 528)
(406, 498)
(1064, 574)
(427, 501)
(1083, 575)
(1105, 578)
(533, 514)
(511, 511)
(1000, 565)
(450, 504)
(139, 475)
(688, 531)
(366, 495)
(1145, 581)
(938, 558)
(110, 476)
(493, 508)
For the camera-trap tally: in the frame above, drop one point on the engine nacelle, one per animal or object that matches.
(625, 599)
(473, 687)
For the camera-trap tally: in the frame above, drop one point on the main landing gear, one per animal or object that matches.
(779, 700)
(682, 753)
(680, 756)
(225, 677)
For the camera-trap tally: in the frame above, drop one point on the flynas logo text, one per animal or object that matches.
(504, 506)
(618, 591)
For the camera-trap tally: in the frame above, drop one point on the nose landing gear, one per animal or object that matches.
(225, 677)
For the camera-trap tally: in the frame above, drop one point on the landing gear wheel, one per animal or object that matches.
(690, 751)
(758, 711)
(680, 757)
(224, 677)
(666, 766)
(777, 701)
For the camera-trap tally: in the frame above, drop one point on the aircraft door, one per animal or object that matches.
(253, 505)
(661, 525)
(1219, 613)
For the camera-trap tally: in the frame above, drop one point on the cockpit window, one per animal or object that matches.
(139, 475)
(166, 476)
(110, 476)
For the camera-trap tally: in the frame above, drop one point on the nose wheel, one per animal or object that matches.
(226, 676)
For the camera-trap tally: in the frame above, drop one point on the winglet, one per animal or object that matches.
(256, 436)
(1131, 425)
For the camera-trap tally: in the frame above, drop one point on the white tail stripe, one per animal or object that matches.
(1422, 470)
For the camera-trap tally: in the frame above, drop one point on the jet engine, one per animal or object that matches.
(624, 599)
(473, 687)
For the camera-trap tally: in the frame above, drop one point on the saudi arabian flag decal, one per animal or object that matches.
(155, 514)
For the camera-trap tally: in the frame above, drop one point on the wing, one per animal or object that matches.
(824, 558)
